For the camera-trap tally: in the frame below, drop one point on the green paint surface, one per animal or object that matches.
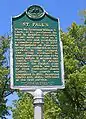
(36, 51)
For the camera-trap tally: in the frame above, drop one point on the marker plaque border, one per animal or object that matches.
(33, 88)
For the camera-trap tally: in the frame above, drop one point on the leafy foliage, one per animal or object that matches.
(24, 107)
(51, 109)
(83, 14)
(4, 79)
(72, 98)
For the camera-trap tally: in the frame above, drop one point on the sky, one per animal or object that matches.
(65, 10)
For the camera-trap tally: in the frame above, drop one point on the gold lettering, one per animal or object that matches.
(26, 23)
(40, 24)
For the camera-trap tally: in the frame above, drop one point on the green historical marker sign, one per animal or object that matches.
(36, 57)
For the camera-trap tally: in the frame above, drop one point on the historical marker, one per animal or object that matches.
(36, 57)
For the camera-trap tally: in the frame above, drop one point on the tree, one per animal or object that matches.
(51, 107)
(24, 107)
(4, 78)
(69, 103)
(72, 98)
(82, 13)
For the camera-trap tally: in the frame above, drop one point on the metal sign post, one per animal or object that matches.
(38, 104)
(36, 56)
